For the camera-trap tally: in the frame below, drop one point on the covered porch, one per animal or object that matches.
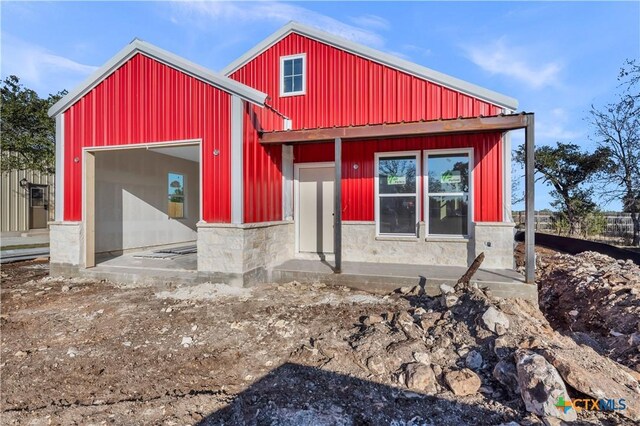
(464, 247)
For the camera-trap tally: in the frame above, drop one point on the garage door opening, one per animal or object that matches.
(142, 206)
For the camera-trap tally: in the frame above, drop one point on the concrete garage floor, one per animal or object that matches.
(385, 277)
(129, 267)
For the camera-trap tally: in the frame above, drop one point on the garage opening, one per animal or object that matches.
(145, 205)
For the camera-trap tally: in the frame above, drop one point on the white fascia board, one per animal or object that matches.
(376, 56)
(167, 58)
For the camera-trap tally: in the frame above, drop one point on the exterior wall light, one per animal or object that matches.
(355, 166)
(24, 183)
(216, 152)
(76, 160)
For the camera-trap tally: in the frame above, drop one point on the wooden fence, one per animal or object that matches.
(616, 227)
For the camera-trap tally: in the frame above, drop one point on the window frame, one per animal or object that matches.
(303, 56)
(425, 178)
(417, 194)
(184, 196)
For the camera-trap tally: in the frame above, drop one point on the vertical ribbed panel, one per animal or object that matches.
(146, 101)
(357, 184)
(14, 200)
(344, 89)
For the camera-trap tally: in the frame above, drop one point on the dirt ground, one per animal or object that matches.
(79, 352)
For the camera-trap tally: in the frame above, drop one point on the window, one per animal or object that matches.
(38, 196)
(292, 75)
(447, 184)
(397, 194)
(176, 196)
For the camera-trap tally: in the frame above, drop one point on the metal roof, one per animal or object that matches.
(376, 56)
(493, 123)
(138, 46)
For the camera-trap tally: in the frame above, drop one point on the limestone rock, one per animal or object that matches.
(420, 378)
(473, 360)
(446, 289)
(463, 382)
(448, 300)
(493, 317)
(505, 372)
(596, 376)
(376, 364)
(422, 358)
(541, 386)
(372, 319)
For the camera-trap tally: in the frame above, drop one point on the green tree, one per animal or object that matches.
(568, 170)
(27, 132)
(617, 129)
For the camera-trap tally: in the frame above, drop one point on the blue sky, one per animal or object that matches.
(555, 58)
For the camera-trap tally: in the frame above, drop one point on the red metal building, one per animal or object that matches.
(148, 115)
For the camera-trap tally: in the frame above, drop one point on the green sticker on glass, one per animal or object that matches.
(451, 176)
(396, 180)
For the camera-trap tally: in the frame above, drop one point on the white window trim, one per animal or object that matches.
(425, 168)
(379, 155)
(184, 196)
(304, 74)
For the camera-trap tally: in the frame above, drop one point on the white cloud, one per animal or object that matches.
(417, 49)
(501, 59)
(553, 126)
(39, 68)
(371, 21)
(203, 13)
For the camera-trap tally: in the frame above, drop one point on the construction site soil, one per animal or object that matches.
(76, 351)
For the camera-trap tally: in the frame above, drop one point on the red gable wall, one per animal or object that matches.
(344, 89)
(146, 101)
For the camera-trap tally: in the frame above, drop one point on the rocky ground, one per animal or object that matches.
(595, 299)
(76, 351)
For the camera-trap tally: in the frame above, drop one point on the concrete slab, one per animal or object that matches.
(7, 240)
(385, 277)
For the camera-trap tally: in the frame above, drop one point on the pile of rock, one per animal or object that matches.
(466, 345)
(596, 298)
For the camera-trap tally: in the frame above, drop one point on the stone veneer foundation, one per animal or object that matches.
(244, 253)
(360, 244)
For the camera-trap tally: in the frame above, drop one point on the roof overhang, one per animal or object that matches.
(445, 80)
(140, 47)
(497, 123)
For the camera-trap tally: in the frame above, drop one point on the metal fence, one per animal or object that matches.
(612, 227)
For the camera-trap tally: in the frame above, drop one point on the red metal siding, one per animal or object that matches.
(358, 190)
(342, 89)
(262, 174)
(146, 101)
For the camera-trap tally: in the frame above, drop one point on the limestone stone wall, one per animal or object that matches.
(244, 252)
(360, 244)
(495, 239)
(66, 243)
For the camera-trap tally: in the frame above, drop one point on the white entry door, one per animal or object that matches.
(314, 194)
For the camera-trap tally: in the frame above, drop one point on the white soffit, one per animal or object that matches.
(138, 46)
(189, 152)
(376, 56)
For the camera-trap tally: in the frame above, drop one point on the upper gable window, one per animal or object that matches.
(293, 75)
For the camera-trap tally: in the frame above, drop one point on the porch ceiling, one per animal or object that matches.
(495, 123)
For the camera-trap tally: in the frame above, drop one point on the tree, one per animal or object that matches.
(568, 170)
(28, 133)
(617, 129)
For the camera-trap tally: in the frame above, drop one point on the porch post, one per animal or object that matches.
(529, 234)
(337, 217)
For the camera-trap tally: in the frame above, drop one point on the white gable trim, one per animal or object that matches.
(376, 56)
(174, 61)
